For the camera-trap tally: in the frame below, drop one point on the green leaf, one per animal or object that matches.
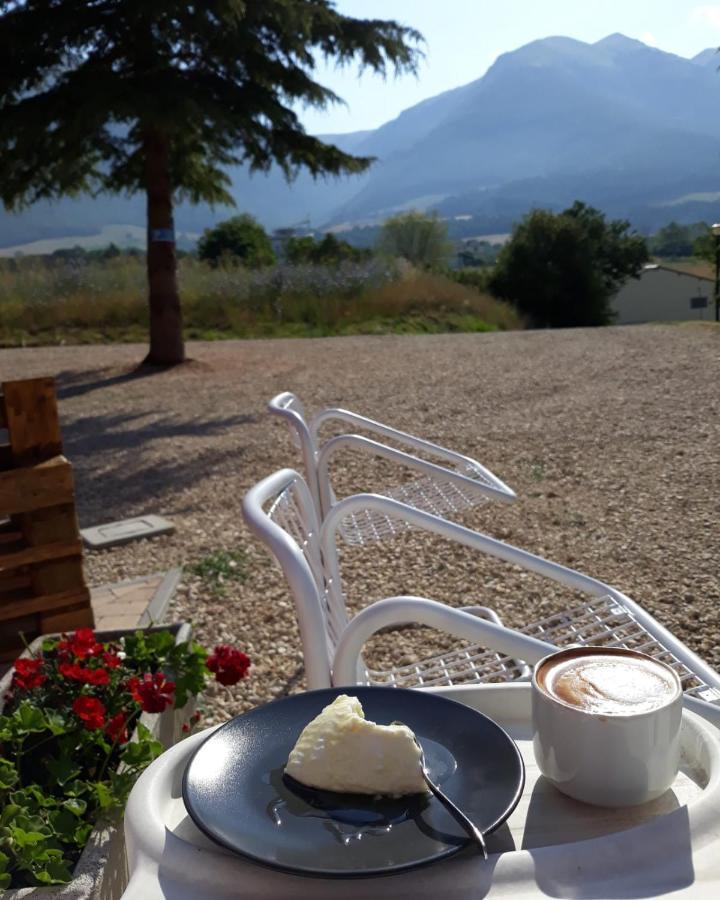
(25, 838)
(9, 811)
(121, 785)
(75, 806)
(103, 795)
(62, 770)
(30, 719)
(34, 798)
(64, 824)
(8, 774)
(57, 722)
(55, 872)
(76, 788)
(82, 833)
(137, 754)
(5, 880)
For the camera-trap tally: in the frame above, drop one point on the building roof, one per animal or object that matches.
(677, 271)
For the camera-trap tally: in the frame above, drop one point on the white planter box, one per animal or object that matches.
(101, 872)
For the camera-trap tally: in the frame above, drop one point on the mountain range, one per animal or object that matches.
(627, 127)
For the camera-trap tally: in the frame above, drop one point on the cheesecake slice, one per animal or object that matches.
(342, 751)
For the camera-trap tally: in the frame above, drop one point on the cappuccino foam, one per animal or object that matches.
(609, 684)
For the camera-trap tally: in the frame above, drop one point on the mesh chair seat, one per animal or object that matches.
(601, 622)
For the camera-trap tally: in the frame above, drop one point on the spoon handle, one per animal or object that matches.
(466, 823)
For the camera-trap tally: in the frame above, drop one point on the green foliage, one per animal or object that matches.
(47, 812)
(219, 567)
(476, 253)
(419, 238)
(69, 755)
(563, 269)
(163, 97)
(219, 80)
(329, 251)
(477, 278)
(673, 241)
(705, 245)
(96, 301)
(241, 239)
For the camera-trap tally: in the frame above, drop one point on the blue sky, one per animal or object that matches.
(464, 37)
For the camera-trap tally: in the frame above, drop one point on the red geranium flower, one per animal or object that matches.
(90, 711)
(116, 728)
(85, 675)
(81, 644)
(71, 670)
(97, 677)
(192, 721)
(228, 664)
(111, 659)
(152, 692)
(27, 673)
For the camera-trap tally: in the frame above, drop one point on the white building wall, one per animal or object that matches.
(663, 295)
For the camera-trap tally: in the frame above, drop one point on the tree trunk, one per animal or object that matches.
(166, 336)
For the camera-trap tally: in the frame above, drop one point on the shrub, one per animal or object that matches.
(241, 239)
(420, 239)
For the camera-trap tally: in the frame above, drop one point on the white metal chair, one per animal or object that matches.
(446, 482)
(280, 512)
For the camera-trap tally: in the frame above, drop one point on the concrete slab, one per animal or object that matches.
(114, 533)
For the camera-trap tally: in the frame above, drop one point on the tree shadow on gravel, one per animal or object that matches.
(77, 384)
(121, 471)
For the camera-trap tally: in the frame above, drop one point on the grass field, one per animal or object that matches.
(48, 301)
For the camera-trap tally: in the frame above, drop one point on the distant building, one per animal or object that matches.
(663, 294)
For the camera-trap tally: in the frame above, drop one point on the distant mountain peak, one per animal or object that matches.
(618, 41)
(709, 57)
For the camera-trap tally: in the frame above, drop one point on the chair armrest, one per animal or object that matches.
(453, 531)
(421, 611)
(374, 448)
(409, 440)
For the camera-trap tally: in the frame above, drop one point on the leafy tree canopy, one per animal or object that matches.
(419, 238)
(563, 269)
(329, 251)
(241, 238)
(673, 240)
(81, 82)
(162, 96)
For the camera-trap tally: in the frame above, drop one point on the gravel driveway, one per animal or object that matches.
(611, 437)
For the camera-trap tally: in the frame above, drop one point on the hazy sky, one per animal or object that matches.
(464, 37)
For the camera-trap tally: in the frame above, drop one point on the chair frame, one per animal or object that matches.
(317, 456)
(332, 644)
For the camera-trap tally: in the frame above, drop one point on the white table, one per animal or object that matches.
(551, 845)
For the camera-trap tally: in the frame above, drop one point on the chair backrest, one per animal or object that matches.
(287, 407)
(280, 512)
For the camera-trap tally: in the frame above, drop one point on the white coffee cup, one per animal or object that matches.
(606, 724)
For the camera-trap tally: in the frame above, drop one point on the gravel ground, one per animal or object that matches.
(609, 436)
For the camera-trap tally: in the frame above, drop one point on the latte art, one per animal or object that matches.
(609, 684)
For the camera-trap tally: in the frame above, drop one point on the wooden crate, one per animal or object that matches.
(42, 586)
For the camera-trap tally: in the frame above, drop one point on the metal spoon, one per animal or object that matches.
(457, 813)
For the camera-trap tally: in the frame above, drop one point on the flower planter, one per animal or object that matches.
(101, 872)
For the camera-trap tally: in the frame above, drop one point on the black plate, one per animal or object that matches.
(235, 790)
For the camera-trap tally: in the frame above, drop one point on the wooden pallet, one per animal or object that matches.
(42, 586)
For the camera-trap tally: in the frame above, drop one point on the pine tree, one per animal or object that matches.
(161, 97)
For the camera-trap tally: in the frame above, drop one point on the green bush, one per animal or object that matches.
(241, 239)
(327, 252)
(419, 238)
(561, 270)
